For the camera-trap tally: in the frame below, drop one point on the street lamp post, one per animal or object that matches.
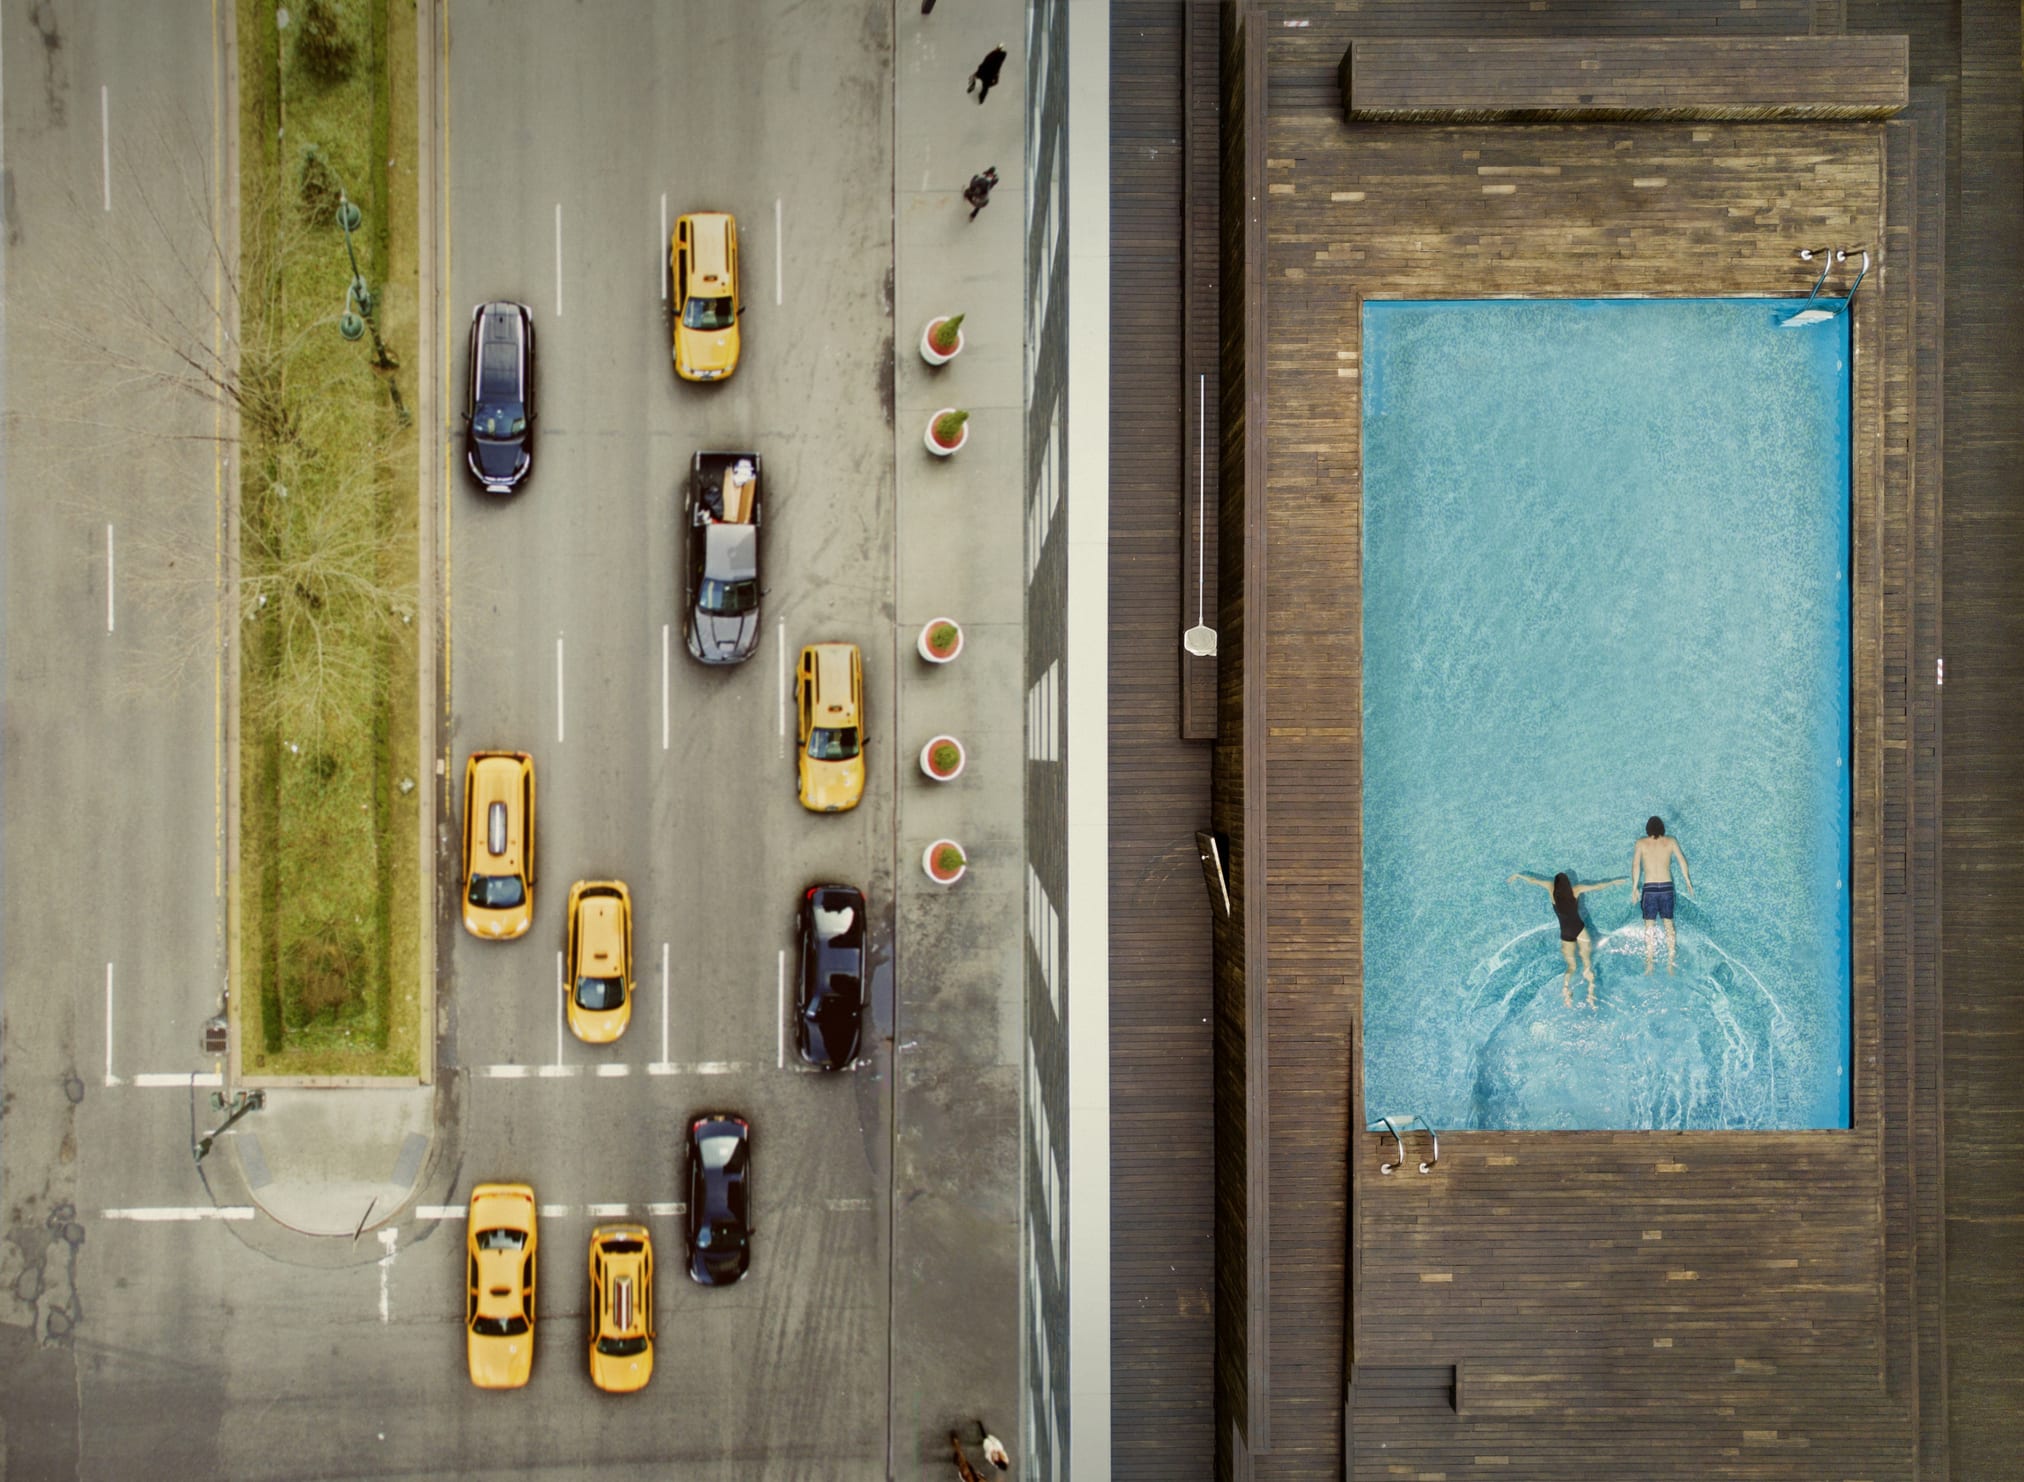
(358, 317)
(242, 1103)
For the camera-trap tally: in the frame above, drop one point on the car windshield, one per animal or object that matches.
(708, 314)
(498, 1327)
(501, 1239)
(621, 1347)
(497, 892)
(838, 745)
(727, 597)
(499, 419)
(600, 993)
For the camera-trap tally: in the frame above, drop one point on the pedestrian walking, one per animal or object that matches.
(994, 1449)
(986, 76)
(978, 191)
(963, 1468)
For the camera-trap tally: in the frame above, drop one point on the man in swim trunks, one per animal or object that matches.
(1652, 858)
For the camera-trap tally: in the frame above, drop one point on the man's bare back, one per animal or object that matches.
(1651, 862)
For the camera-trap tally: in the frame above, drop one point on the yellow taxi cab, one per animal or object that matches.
(597, 956)
(499, 1239)
(708, 298)
(829, 720)
(621, 1308)
(499, 844)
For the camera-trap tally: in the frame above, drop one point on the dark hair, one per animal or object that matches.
(1563, 890)
(1655, 826)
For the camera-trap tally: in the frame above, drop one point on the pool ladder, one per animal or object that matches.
(1391, 1127)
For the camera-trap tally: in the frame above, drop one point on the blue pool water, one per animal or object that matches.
(1606, 575)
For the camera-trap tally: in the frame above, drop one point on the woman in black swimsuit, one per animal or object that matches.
(1573, 930)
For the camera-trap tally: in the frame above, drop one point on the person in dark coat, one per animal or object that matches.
(986, 73)
(978, 191)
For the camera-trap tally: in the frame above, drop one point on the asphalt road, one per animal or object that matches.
(568, 133)
(226, 1348)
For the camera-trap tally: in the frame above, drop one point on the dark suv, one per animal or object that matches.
(829, 1001)
(499, 418)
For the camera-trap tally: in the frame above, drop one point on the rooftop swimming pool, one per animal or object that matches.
(1605, 576)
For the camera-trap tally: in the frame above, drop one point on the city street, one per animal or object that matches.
(208, 1340)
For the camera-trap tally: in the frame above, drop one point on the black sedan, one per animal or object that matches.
(719, 1215)
(499, 417)
(829, 1001)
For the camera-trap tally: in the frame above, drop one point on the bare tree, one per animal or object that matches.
(159, 316)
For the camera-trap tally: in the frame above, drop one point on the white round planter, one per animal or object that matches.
(921, 643)
(929, 353)
(928, 864)
(927, 769)
(936, 448)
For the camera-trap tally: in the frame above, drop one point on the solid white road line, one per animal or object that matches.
(157, 1216)
(614, 1070)
(558, 259)
(678, 1206)
(665, 646)
(780, 690)
(841, 1206)
(108, 576)
(662, 253)
(718, 1067)
(554, 1211)
(558, 686)
(779, 250)
(780, 1060)
(181, 1079)
(439, 1211)
(550, 1072)
(664, 1003)
(105, 140)
(560, 989)
(503, 1072)
(388, 1240)
(607, 1211)
(110, 1078)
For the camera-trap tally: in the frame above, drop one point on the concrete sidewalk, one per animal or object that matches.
(321, 1162)
(958, 954)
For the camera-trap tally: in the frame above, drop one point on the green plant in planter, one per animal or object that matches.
(945, 756)
(944, 337)
(949, 859)
(949, 428)
(942, 638)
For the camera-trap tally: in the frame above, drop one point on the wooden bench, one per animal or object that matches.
(1557, 79)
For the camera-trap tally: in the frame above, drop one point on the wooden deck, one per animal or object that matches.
(1614, 1305)
(1559, 79)
(1162, 1125)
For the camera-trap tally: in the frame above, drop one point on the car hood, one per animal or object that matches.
(833, 786)
(498, 462)
(701, 350)
(500, 1363)
(720, 638)
(502, 925)
(620, 1375)
(718, 1270)
(599, 1026)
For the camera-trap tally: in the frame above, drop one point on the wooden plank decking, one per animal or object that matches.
(1558, 79)
(1162, 1123)
(1594, 1305)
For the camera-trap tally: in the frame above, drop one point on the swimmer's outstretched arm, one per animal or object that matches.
(1531, 880)
(1685, 874)
(1601, 885)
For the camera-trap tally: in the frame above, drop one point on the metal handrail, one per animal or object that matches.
(1393, 1167)
(1386, 1124)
